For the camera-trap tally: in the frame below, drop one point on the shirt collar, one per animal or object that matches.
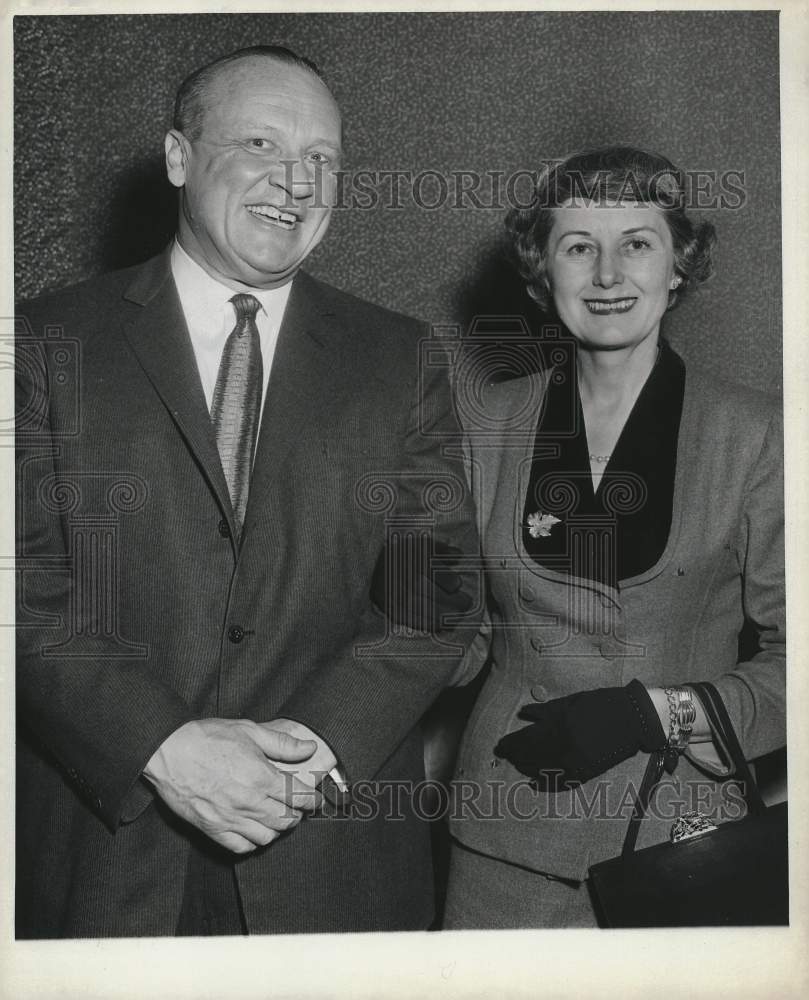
(205, 300)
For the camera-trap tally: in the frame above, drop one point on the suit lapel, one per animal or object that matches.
(305, 384)
(159, 337)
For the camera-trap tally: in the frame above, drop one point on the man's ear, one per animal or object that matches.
(177, 153)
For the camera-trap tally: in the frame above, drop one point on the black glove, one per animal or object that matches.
(576, 738)
(416, 588)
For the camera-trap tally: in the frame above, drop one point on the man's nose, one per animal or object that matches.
(297, 177)
(607, 270)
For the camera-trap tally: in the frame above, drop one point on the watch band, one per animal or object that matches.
(682, 715)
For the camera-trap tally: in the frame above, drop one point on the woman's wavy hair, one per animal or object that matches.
(609, 174)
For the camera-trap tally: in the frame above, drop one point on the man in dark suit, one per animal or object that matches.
(199, 660)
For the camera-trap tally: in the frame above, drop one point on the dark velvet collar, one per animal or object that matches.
(621, 529)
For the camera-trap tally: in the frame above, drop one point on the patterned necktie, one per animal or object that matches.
(236, 403)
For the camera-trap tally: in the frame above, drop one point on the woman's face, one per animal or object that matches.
(610, 268)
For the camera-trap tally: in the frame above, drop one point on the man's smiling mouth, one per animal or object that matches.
(602, 307)
(268, 213)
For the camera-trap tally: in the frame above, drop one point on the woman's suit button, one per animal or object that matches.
(236, 634)
(224, 528)
(536, 642)
(527, 595)
(539, 693)
(607, 650)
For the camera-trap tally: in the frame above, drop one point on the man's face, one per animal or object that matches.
(258, 184)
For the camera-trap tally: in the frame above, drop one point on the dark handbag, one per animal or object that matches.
(733, 876)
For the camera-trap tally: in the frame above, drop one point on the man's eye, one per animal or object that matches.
(259, 143)
(319, 158)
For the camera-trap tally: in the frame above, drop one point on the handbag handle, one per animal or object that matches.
(722, 727)
(721, 724)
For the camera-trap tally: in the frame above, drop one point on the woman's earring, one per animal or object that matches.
(676, 281)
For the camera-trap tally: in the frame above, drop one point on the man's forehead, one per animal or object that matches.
(265, 80)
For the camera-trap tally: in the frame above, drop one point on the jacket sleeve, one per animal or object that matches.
(99, 716)
(479, 649)
(754, 692)
(374, 691)
(476, 656)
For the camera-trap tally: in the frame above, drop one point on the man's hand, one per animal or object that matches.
(220, 776)
(315, 767)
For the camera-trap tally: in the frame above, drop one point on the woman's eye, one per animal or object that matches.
(638, 244)
(578, 249)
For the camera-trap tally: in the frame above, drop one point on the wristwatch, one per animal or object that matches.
(682, 715)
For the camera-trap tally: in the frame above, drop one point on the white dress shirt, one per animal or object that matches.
(210, 317)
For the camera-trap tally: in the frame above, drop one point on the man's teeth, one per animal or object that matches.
(273, 214)
(614, 306)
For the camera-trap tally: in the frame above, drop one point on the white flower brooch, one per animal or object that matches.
(539, 524)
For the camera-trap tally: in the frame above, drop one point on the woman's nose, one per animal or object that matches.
(607, 270)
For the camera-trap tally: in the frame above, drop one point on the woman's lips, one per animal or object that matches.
(605, 307)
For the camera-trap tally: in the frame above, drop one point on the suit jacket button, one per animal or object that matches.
(536, 642)
(224, 528)
(539, 693)
(607, 651)
(236, 634)
(527, 594)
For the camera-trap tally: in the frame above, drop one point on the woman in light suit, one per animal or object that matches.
(631, 515)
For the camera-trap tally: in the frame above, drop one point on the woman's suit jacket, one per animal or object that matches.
(552, 635)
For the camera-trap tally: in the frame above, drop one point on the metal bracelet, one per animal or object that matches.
(682, 715)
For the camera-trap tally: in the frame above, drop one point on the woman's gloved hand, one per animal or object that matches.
(573, 739)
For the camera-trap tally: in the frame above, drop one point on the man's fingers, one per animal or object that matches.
(260, 835)
(251, 834)
(273, 813)
(288, 789)
(276, 816)
(281, 746)
(234, 842)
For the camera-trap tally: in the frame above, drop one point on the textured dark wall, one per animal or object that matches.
(448, 92)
